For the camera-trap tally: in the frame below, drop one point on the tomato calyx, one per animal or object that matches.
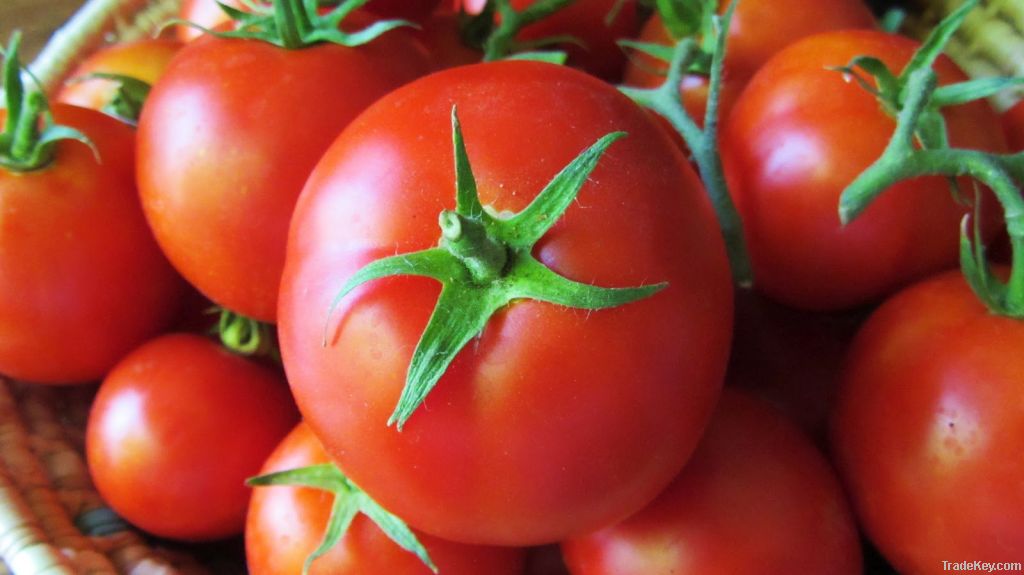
(1002, 173)
(131, 94)
(484, 262)
(297, 24)
(495, 27)
(349, 500)
(246, 336)
(666, 101)
(24, 147)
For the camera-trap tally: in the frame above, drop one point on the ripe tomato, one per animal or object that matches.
(928, 423)
(143, 60)
(175, 430)
(757, 497)
(1013, 126)
(81, 280)
(759, 29)
(285, 524)
(555, 420)
(221, 164)
(798, 135)
(588, 22)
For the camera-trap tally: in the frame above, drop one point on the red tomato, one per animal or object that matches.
(285, 524)
(928, 425)
(143, 60)
(554, 420)
(440, 34)
(757, 497)
(798, 135)
(586, 20)
(221, 163)
(759, 29)
(792, 358)
(176, 429)
(1013, 126)
(81, 280)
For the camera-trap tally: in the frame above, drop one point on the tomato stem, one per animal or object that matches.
(501, 42)
(1001, 173)
(666, 101)
(484, 263)
(246, 336)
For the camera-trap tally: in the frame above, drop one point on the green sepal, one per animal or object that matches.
(501, 42)
(244, 335)
(297, 24)
(30, 135)
(935, 43)
(892, 20)
(484, 263)
(556, 57)
(131, 94)
(659, 52)
(349, 501)
(682, 18)
(964, 92)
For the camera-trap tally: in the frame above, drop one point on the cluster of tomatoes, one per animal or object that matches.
(503, 302)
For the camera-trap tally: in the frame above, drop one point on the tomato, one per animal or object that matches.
(554, 420)
(928, 421)
(759, 29)
(143, 60)
(81, 280)
(791, 358)
(175, 430)
(285, 524)
(442, 38)
(757, 497)
(1013, 126)
(798, 135)
(588, 22)
(221, 164)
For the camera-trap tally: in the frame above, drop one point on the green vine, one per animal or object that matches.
(665, 100)
(485, 262)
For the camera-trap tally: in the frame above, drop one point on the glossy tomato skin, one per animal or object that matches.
(554, 421)
(797, 136)
(175, 430)
(758, 29)
(224, 151)
(143, 60)
(81, 280)
(929, 415)
(285, 524)
(1013, 126)
(756, 498)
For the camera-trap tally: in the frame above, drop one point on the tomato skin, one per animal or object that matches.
(175, 430)
(285, 524)
(928, 417)
(759, 29)
(533, 433)
(797, 136)
(757, 497)
(143, 60)
(81, 280)
(221, 164)
(1013, 126)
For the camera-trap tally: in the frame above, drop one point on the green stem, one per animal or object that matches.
(467, 240)
(501, 41)
(666, 101)
(292, 22)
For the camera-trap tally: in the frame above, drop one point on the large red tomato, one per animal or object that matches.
(798, 135)
(757, 497)
(143, 60)
(554, 420)
(928, 427)
(758, 29)
(81, 280)
(176, 429)
(285, 524)
(228, 138)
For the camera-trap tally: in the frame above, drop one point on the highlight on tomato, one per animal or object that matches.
(81, 280)
(287, 524)
(757, 497)
(175, 430)
(545, 419)
(231, 132)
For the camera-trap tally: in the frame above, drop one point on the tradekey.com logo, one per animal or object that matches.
(981, 566)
